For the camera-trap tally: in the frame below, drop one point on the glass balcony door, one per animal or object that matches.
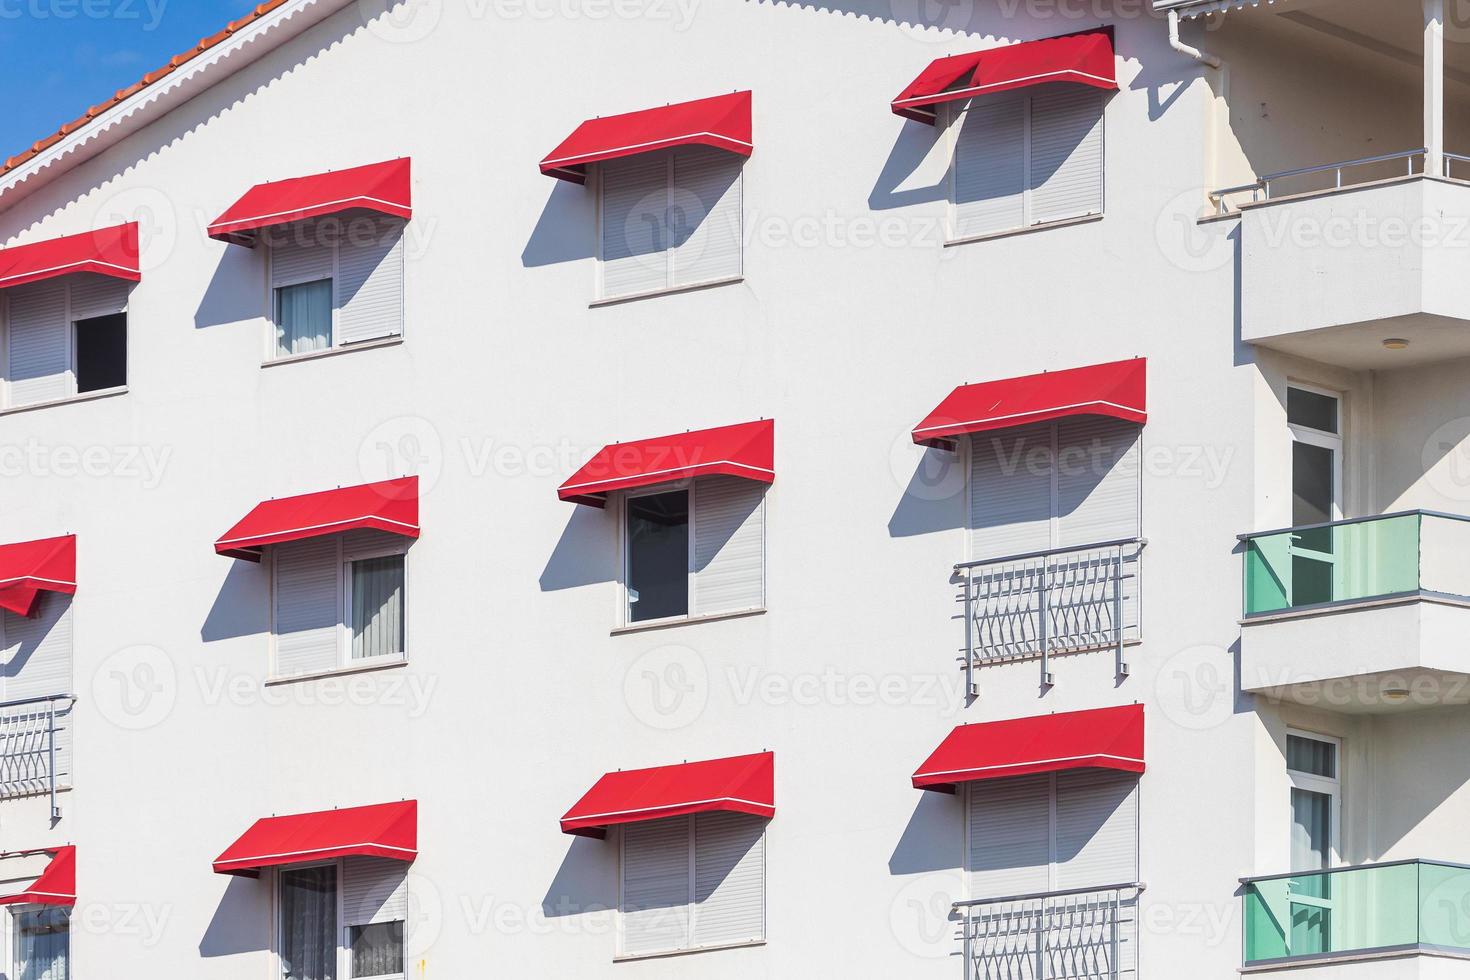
(1314, 418)
(1312, 765)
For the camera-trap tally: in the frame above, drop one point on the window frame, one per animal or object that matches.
(335, 346)
(7, 403)
(693, 906)
(1334, 442)
(599, 180)
(1329, 787)
(342, 931)
(951, 116)
(10, 942)
(342, 563)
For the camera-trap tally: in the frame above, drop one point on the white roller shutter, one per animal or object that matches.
(39, 340)
(705, 215)
(1010, 492)
(655, 886)
(729, 878)
(300, 256)
(1066, 153)
(374, 890)
(370, 281)
(1098, 478)
(37, 662)
(97, 296)
(308, 605)
(729, 545)
(1097, 828)
(988, 176)
(634, 225)
(1010, 841)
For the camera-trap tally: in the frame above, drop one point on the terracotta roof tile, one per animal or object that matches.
(177, 61)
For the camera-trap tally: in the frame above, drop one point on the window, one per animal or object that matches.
(1313, 417)
(696, 882)
(698, 551)
(42, 942)
(669, 220)
(1027, 159)
(367, 896)
(339, 602)
(335, 282)
(35, 662)
(1316, 807)
(65, 337)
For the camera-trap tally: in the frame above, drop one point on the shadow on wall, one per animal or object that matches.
(565, 231)
(239, 922)
(586, 881)
(242, 607)
(934, 499)
(585, 554)
(234, 293)
(932, 839)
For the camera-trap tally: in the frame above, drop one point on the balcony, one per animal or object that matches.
(1372, 911)
(1061, 601)
(35, 747)
(1359, 615)
(1083, 934)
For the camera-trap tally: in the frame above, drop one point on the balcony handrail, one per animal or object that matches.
(1263, 183)
(1354, 867)
(37, 700)
(1050, 552)
(1344, 522)
(1064, 893)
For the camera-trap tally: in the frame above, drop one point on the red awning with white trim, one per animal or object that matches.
(1117, 390)
(391, 506)
(385, 188)
(31, 567)
(386, 830)
(747, 450)
(1101, 738)
(722, 122)
(742, 784)
(111, 252)
(1083, 58)
(57, 885)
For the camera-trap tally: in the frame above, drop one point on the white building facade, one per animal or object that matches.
(548, 490)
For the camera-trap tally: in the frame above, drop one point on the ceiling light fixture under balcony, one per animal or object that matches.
(1395, 343)
(1397, 695)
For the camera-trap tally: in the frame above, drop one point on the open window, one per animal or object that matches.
(345, 918)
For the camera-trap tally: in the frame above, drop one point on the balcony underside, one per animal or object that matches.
(1384, 656)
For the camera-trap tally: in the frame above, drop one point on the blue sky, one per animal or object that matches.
(57, 57)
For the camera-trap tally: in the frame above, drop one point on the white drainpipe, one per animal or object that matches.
(1219, 90)
(1178, 45)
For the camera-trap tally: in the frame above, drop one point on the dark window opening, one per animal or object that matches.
(658, 556)
(102, 352)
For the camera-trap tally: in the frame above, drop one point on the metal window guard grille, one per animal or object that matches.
(30, 760)
(1082, 934)
(1063, 600)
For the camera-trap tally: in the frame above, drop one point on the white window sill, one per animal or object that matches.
(333, 351)
(634, 957)
(663, 624)
(672, 290)
(362, 668)
(1011, 232)
(89, 396)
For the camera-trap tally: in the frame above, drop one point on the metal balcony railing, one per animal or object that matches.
(1063, 600)
(1359, 171)
(1081, 934)
(35, 747)
(1316, 567)
(1365, 911)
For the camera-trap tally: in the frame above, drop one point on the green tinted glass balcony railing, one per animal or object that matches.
(1366, 558)
(1403, 906)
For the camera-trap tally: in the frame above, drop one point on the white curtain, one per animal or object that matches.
(377, 607)
(42, 944)
(377, 950)
(309, 924)
(304, 317)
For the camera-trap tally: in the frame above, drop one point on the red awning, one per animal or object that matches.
(1102, 738)
(742, 784)
(1116, 390)
(32, 567)
(109, 252)
(391, 506)
(57, 885)
(722, 122)
(387, 830)
(1084, 58)
(746, 450)
(380, 187)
